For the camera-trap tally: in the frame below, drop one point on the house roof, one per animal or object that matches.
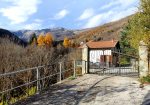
(101, 44)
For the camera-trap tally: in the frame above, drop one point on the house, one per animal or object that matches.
(101, 53)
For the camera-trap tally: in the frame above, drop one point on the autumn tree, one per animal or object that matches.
(66, 42)
(140, 25)
(41, 40)
(48, 39)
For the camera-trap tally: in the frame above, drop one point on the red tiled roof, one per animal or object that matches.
(101, 44)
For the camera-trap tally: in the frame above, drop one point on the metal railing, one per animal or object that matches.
(122, 65)
(21, 84)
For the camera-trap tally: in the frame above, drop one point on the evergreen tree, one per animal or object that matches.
(33, 39)
(125, 42)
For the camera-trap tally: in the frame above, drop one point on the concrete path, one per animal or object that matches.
(94, 90)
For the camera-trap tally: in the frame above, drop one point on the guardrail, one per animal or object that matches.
(21, 84)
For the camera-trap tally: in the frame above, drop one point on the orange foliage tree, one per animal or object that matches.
(40, 40)
(67, 42)
(48, 39)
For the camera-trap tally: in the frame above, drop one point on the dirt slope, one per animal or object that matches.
(105, 32)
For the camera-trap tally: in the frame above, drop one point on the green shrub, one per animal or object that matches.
(72, 78)
(31, 91)
(124, 61)
(13, 100)
(3, 99)
(145, 79)
(5, 103)
(79, 71)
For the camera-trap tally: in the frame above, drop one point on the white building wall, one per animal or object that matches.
(95, 55)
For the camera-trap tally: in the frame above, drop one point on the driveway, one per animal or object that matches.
(93, 89)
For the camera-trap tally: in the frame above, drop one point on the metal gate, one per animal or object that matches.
(125, 65)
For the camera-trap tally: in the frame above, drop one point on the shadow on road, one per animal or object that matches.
(94, 92)
(146, 100)
(63, 94)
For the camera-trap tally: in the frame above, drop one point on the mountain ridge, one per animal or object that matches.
(107, 31)
(12, 37)
(58, 33)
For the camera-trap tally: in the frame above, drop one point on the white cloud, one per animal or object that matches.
(94, 21)
(61, 14)
(36, 24)
(52, 26)
(86, 14)
(118, 15)
(97, 19)
(121, 4)
(109, 17)
(32, 26)
(126, 3)
(20, 10)
(123, 9)
(38, 20)
(109, 5)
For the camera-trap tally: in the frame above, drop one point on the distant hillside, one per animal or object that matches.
(58, 33)
(105, 32)
(8, 35)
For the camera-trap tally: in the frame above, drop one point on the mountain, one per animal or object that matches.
(105, 32)
(8, 35)
(58, 33)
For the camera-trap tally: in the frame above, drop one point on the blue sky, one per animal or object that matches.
(71, 14)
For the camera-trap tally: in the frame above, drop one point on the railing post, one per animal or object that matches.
(60, 70)
(119, 63)
(103, 61)
(37, 78)
(74, 69)
(85, 62)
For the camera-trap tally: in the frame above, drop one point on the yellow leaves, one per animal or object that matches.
(45, 40)
(67, 42)
(139, 27)
(48, 39)
(40, 40)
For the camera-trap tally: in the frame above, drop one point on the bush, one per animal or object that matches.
(145, 79)
(79, 71)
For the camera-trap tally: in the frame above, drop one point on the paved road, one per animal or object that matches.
(94, 90)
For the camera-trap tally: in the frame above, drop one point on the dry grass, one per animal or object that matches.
(14, 57)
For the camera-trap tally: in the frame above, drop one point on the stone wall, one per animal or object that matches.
(84, 59)
(143, 59)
